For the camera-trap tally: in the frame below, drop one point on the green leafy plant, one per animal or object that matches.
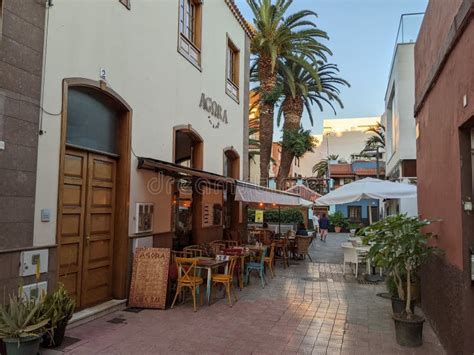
(321, 167)
(299, 141)
(58, 306)
(337, 219)
(287, 215)
(399, 246)
(21, 318)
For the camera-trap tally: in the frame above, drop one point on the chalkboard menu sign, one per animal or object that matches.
(149, 278)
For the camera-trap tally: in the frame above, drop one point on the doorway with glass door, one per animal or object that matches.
(92, 195)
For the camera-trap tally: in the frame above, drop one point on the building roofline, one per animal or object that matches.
(239, 17)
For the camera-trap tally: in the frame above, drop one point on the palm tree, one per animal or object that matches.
(279, 36)
(321, 168)
(302, 93)
(375, 140)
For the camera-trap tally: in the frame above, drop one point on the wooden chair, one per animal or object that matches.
(302, 246)
(269, 259)
(194, 251)
(187, 278)
(179, 254)
(227, 279)
(281, 247)
(217, 246)
(235, 236)
(258, 266)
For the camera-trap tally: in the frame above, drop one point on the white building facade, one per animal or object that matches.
(142, 98)
(399, 122)
(341, 136)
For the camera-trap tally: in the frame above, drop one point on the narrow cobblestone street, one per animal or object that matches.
(307, 308)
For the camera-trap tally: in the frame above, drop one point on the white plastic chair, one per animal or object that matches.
(351, 256)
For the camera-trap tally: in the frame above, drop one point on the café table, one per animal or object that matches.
(209, 264)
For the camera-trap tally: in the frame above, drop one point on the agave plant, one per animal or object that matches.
(21, 318)
(59, 306)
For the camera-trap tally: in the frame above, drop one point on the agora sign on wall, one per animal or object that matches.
(214, 109)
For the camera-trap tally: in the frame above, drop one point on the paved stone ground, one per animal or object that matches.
(309, 308)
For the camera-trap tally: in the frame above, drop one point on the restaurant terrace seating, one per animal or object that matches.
(302, 246)
(258, 266)
(227, 279)
(194, 250)
(187, 279)
(269, 259)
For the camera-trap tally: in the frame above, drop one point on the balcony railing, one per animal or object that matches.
(409, 27)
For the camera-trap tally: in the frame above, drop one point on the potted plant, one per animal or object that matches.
(58, 308)
(338, 220)
(398, 304)
(22, 324)
(399, 246)
(353, 228)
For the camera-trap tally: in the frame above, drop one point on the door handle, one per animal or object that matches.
(88, 238)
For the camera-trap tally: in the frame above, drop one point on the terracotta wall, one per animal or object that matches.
(438, 18)
(444, 167)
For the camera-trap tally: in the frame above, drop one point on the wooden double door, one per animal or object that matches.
(86, 226)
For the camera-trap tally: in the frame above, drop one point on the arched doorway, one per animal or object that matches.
(94, 188)
(188, 152)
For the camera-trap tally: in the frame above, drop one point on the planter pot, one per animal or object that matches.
(398, 305)
(57, 336)
(337, 229)
(409, 332)
(28, 345)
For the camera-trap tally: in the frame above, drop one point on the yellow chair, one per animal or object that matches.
(187, 278)
(227, 279)
(269, 259)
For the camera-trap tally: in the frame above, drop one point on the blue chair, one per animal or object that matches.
(259, 266)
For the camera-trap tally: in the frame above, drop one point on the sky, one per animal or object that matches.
(362, 38)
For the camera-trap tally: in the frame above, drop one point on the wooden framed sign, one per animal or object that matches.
(149, 278)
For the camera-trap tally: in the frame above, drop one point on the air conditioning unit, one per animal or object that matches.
(143, 217)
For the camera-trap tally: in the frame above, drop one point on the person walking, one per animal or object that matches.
(316, 223)
(324, 226)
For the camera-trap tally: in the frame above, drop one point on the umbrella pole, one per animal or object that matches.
(279, 220)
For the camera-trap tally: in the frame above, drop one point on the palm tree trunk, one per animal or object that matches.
(268, 83)
(292, 110)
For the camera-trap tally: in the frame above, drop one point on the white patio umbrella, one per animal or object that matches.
(368, 188)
